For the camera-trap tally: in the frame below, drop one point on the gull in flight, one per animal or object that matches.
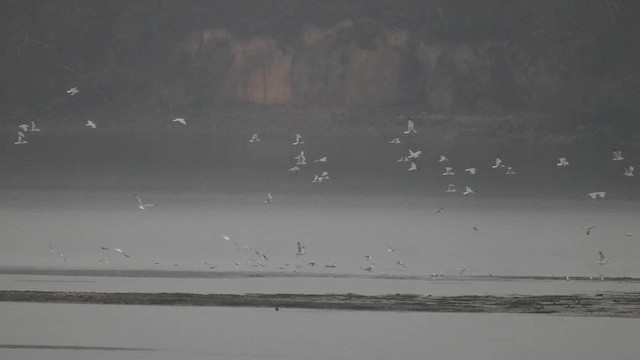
(300, 250)
(390, 249)
(298, 140)
(562, 162)
(24, 127)
(602, 260)
(227, 238)
(180, 120)
(443, 159)
(302, 160)
(54, 252)
(510, 171)
(403, 159)
(142, 206)
(269, 198)
(295, 169)
(368, 257)
(617, 155)
(438, 211)
(588, 228)
(461, 270)
(332, 265)
(413, 167)
(451, 188)
(448, 171)
(368, 267)
(629, 171)
(21, 139)
(73, 91)
(498, 163)
(395, 141)
(34, 128)
(401, 263)
(254, 138)
(468, 191)
(628, 234)
(597, 194)
(475, 228)
(471, 171)
(410, 127)
(322, 159)
(414, 155)
(90, 124)
(118, 250)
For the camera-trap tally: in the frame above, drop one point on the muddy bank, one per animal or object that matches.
(605, 304)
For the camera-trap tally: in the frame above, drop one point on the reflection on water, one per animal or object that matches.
(247, 333)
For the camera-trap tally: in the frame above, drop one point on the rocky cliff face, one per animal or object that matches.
(574, 58)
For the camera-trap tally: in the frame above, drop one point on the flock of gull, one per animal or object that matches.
(412, 157)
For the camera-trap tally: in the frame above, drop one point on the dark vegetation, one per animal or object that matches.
(571, 60)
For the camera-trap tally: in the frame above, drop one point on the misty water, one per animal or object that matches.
(77, 195)
(62, 331)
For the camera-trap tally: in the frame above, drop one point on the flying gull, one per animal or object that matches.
(295, 169)
(443, 159)
(510, 171)
(617, 155)
(21, 140)
(24, 127)
(413, 167)
(269, 198)
(227, 238)
(142, 206)
(471, 171)
(451, 188)
(118, 250)
(298, 140)
(602, 260)
(322, 159)
(597, 194)
(414, 155)
(448, 171)
(254, 138)
(588, 229)
(180, 120)
(410, 127)
(468, 191)
(300, 250)
(368, 267)
(562, 162)
(401, 263)
(403, 159)
(73, 91)
(390, 249)
(34, 128)
(54, 252)
(90, 124)
(395, 141)
(498, 163)
(629, 171)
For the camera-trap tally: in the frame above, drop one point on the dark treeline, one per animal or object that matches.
(571, 58)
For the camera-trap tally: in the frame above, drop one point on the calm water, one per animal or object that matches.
(155, 332)
(515, 237)
(308, 285)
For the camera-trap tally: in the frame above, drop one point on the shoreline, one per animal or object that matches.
(623, 305)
